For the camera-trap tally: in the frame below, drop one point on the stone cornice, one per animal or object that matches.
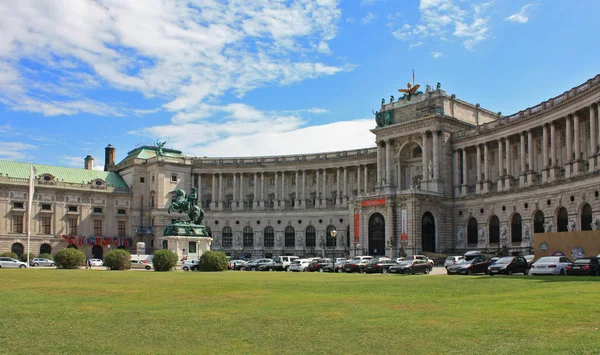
(428, 123)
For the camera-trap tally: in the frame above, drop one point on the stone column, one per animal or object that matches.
(235, 195)
(545, 163)
(221, 191)
(500, 166)
(338, 200)
(593, 138)
(262, 190)
(358, 185)
(256, 197)
(569, 133)
(276, 202)
(213, 198)
(553, 167)
(303, 202)
(508, 177)
(486, 169)
(324, 196)
(388, 162)
(389, 228)
(523, 163)
(366, 179)
(577, 164)
(436, 155)
(379, 163)
(530, 150)
(297, 202)
(425, 152)
(464, 171)
(598, 139)
(345, 195)
(456, 172)
(283, 192)
(318, 193)
(200, 191)
(478, 169)
(242, 192)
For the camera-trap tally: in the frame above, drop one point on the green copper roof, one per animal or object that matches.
(147, 152)
(72, 175)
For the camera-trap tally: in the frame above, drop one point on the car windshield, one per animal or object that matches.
(406, 262)
(547, 259)
(463, 261)
(450, 258)
(582, 261)
(505, 260)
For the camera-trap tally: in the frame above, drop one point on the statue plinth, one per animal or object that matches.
(187, 229)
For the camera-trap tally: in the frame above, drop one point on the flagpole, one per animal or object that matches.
(29, 207)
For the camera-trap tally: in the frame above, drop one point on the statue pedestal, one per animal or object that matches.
(180, 234)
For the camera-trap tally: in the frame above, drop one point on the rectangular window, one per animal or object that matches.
(174, 178)
(72, 226)
(251, 182)
(272, 182)
(152, 178)
(72, 208)
(18, 224)
(97, 227)
(293, 181)
(229, 182)
(46, 207)
(121, 228)
(121, 211)
(46, 225)
(192, 248)
(97, 209)
(142, 179)
(17, 204)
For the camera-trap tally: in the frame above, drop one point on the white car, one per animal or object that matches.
(190, 265)
(141, 264)
(299, 265)
(11, 263)
(96, 262)
(451, 260)
(550, 265)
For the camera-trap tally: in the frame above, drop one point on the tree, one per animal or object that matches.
(213, 261)
(118, 260)
(69, 258)
(164, 260)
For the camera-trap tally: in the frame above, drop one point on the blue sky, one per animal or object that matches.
(246, 78)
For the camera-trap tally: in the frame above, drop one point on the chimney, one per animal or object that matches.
(109, 158)
(88, 163)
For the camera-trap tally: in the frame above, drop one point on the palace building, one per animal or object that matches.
(445, 176)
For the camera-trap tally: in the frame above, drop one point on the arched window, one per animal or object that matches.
(494, 230)
(290, 237)
(17, 248)
(538, 222)
(472, 231)
(248, 237)
(311, 237)
(269, 237)
(562, 220)
(209, 232)
(330, 239)
(516, 228)
(227, 236)
(45, 249)
(586, 218)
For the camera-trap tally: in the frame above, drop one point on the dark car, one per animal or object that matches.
(253, 265)
(584, 267)
(411, 267)
(356, 265)
(476, 265)
(319, 265)
(509, 265)
(380, 266)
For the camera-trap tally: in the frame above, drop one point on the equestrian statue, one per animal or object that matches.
(187, 205)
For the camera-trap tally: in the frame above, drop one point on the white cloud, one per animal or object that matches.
(183, 53)
(367, 2)
(14, 150)
(437, 55)
(350, 20)
(444, 18)
(519, 17)
(415, 45)
(368, 18)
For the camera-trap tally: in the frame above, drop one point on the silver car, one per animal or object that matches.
(41, 262)
(6, 262)
(550, 265)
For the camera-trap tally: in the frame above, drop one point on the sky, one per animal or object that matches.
(256, 77)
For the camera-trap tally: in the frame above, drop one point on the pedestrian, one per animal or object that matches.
(89, 263)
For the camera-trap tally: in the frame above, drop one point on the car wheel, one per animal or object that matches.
(321, 270)
(185, 268)
(384, 271)
(271, 269)
(361, 271)
(340, 270)
(427, 271)
(253, 269)
(526, 272)
(22, 266)
(597, 272)
(36, 264)
(53, 264)
(469, 272)
(305, 270)
(509, 272)
(562, 272)
(147, 267)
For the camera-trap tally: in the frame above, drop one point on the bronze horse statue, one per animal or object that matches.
(188, 206)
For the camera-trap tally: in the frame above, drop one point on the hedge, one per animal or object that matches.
(164, 260)
(118, 260)
(69, 258)
(213, 261)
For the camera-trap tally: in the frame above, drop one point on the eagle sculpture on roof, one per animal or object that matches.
(410, 90)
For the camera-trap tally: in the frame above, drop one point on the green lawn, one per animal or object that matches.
(83, 311)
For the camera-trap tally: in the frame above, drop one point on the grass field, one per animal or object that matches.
(82, 311)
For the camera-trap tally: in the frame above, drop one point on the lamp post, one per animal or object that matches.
(333, 234)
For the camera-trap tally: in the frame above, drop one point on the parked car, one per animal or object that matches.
(190, 265)
(299, 265)
(356, 265)
(584, 267)
(141, 264)
(253, 265)
(451, 260)
(41, 262)
(380, 266)
(96, 262)
(475, 265)
(11, 263)
(411, 266)
(339, 266)
(550, 265)
(421, 257)
(236, 264)
(320, 265)
(509, 265)
(280, 263)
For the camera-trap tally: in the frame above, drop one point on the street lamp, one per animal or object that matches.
(356, 248)
(333, 234)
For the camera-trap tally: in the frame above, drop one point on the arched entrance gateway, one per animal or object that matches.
(97, 252)
(428, 232)
(376, 234)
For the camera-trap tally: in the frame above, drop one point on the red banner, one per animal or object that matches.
(369, 203)
(356, 226)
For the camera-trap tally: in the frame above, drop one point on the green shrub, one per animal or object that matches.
(69, 258)
(10, 255)
(46, 256)
(23, 257)
(164, 260)
(118, 260)
(213, 261)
